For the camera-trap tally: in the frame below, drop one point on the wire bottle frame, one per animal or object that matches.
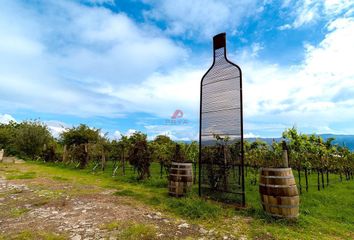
(207, 189)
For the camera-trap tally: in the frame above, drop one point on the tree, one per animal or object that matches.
(139, 155)
(7, 137)
(255, 154)
(115, 155)
(30, 137)
(298, 150)
(178, 154)
(78, 138)
(162, 152)
(191, 151)
(124, 144)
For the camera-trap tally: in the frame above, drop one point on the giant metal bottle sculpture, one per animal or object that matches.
(221, 175)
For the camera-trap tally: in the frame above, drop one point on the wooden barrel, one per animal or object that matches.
(180, 179)
(279, 194)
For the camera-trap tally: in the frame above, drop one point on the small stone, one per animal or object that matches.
(76, 237)
(183, 225)
(225, 237)
(203, 231)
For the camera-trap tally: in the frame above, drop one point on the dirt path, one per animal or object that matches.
(46, 208)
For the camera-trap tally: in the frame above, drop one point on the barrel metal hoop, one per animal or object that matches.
(275, 169)
(278, 177)
(282, 216)
(280, 206)
(171, 174)
(181, 164)
(277, 186)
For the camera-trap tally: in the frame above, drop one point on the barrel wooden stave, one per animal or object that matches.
(279, 194)
(180, 179)
(278, 180)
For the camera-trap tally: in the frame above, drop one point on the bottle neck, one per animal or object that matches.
(219, 45)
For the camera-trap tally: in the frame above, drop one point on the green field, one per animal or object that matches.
(326, 214)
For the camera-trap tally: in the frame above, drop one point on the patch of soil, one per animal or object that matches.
(43, 204)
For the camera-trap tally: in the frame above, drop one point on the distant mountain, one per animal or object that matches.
(343, 140)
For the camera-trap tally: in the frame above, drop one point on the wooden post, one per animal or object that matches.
(285, 155)
(83, 165)
(123, 159)
(1, 154)
(307, 181)
(65, 154)
(103, 162)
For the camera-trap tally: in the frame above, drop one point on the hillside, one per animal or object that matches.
(343, 140)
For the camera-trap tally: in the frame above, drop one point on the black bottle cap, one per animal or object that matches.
(219, 41)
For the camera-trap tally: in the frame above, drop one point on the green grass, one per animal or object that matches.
(34, 235)
(16, 212)
(127, 192)
(195, 208)
(111, 225)
(325, 214)
(60, 178)
(16, 175)
(138, 232)
(131, 230)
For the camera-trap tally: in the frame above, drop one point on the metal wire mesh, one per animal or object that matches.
(221, 155)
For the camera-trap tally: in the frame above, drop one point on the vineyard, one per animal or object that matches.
(138, 168)
(84, 147)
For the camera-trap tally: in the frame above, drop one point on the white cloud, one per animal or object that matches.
(130, 132)
(6, 118)
(250, 135)
(202, 18)
(56, 127)
(64, 57)
(117, 135)
(98, 2)
(89, 61)
(284, 27)
(333, 7)
(162, 94)
(318, 92)
(307, 12)
(182, 132)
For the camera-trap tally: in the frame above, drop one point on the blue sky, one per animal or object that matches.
(129, 65)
